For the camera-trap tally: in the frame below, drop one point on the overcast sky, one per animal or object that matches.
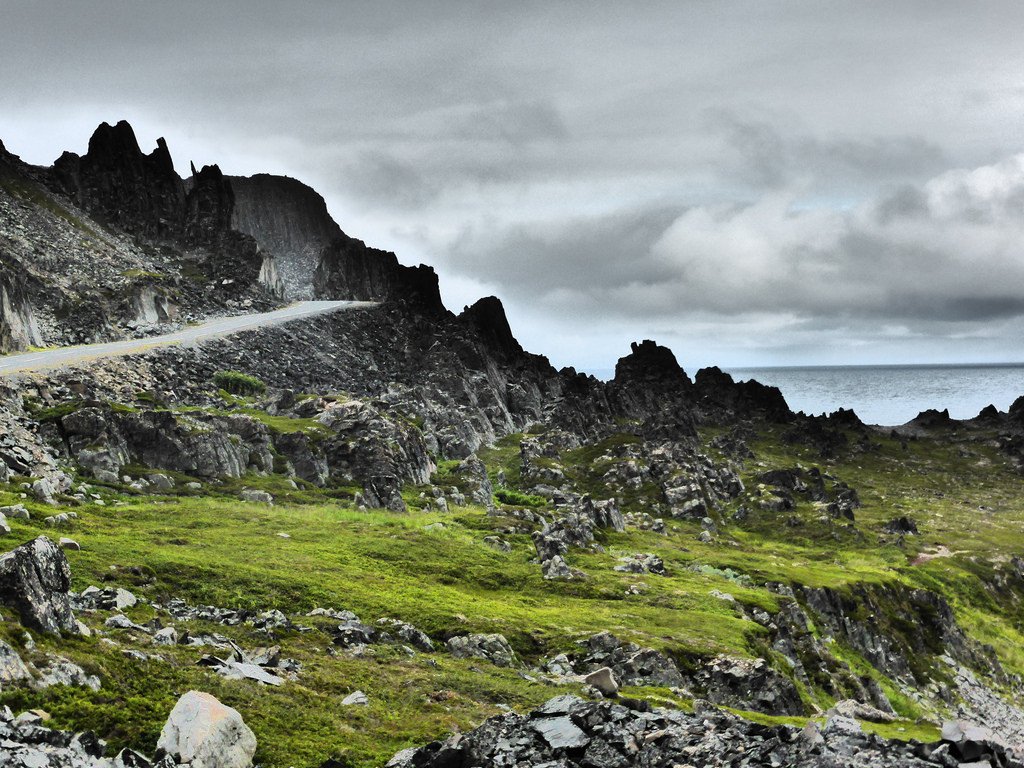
(750, 183)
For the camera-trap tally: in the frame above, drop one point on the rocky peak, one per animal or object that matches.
(117, 183)
(210, 203)
(290, 221)
(487, 318)
(652, 363)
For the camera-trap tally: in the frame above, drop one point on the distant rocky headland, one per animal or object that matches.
(388, 534)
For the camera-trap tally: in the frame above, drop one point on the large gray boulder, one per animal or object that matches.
(494, 648)
(203, 733)
(34, 581)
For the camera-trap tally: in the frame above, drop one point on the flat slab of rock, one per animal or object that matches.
(561, 733)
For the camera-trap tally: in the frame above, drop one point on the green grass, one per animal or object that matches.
(206, 546)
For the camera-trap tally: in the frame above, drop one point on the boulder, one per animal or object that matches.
(204, 733)
(493, 648)
(631, 664)
(34, 581)
(604, 681)
(256, 496)
(12, 668)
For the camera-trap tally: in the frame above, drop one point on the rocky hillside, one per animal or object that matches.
(391, 535)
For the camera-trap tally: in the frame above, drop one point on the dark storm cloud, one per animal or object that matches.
(746, 171)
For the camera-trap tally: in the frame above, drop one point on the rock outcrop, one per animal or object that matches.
(35, 580)
(119, 185)
(349, 269)
(572, 733)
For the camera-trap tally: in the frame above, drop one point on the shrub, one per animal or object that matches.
(238, 383)
(518, 498)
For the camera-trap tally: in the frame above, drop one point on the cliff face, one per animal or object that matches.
(349, 269)
(290, 221)
(234, 259)
(18, 327)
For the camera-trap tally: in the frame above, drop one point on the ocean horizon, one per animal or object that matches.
(887, 394)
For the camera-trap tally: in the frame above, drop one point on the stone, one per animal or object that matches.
(120, 621)
(494, 648)
(5, 528)
(238, 670)
(66, 543)
(160, 482)
(12, 668)
(43, 490)
(63, 672)
(34, 581)
(166, 636)
(498, 543)
(561, 733)
(16, 512)
(356, 698)
(259, 497)
(408, 633)
(204, 733)
(604, 681)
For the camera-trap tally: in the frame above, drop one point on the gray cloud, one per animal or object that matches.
(948, 251)
(762, 175)
(768, 156)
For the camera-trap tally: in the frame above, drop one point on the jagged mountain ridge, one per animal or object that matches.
(114, 242)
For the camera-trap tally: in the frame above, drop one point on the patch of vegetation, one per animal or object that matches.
(518, 498)
(238, 383)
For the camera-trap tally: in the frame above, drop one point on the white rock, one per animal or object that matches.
(356, 698)
(66, 543)
(260, 497)
(204, 733)
(604, 681)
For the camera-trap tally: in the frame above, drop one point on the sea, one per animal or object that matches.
(894, 394)
(889, 395)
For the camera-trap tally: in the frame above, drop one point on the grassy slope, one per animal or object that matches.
(211, 548)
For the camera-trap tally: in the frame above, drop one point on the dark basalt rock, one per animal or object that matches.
(749, 684)
(933, 419)
(120, 185)
(209, 206)
(487, 318)
(35, 580)
(569, 732)
(902, 526)
(651, 363)
(724, 399)
(349, 269)
(650, 387)
(631, 664)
